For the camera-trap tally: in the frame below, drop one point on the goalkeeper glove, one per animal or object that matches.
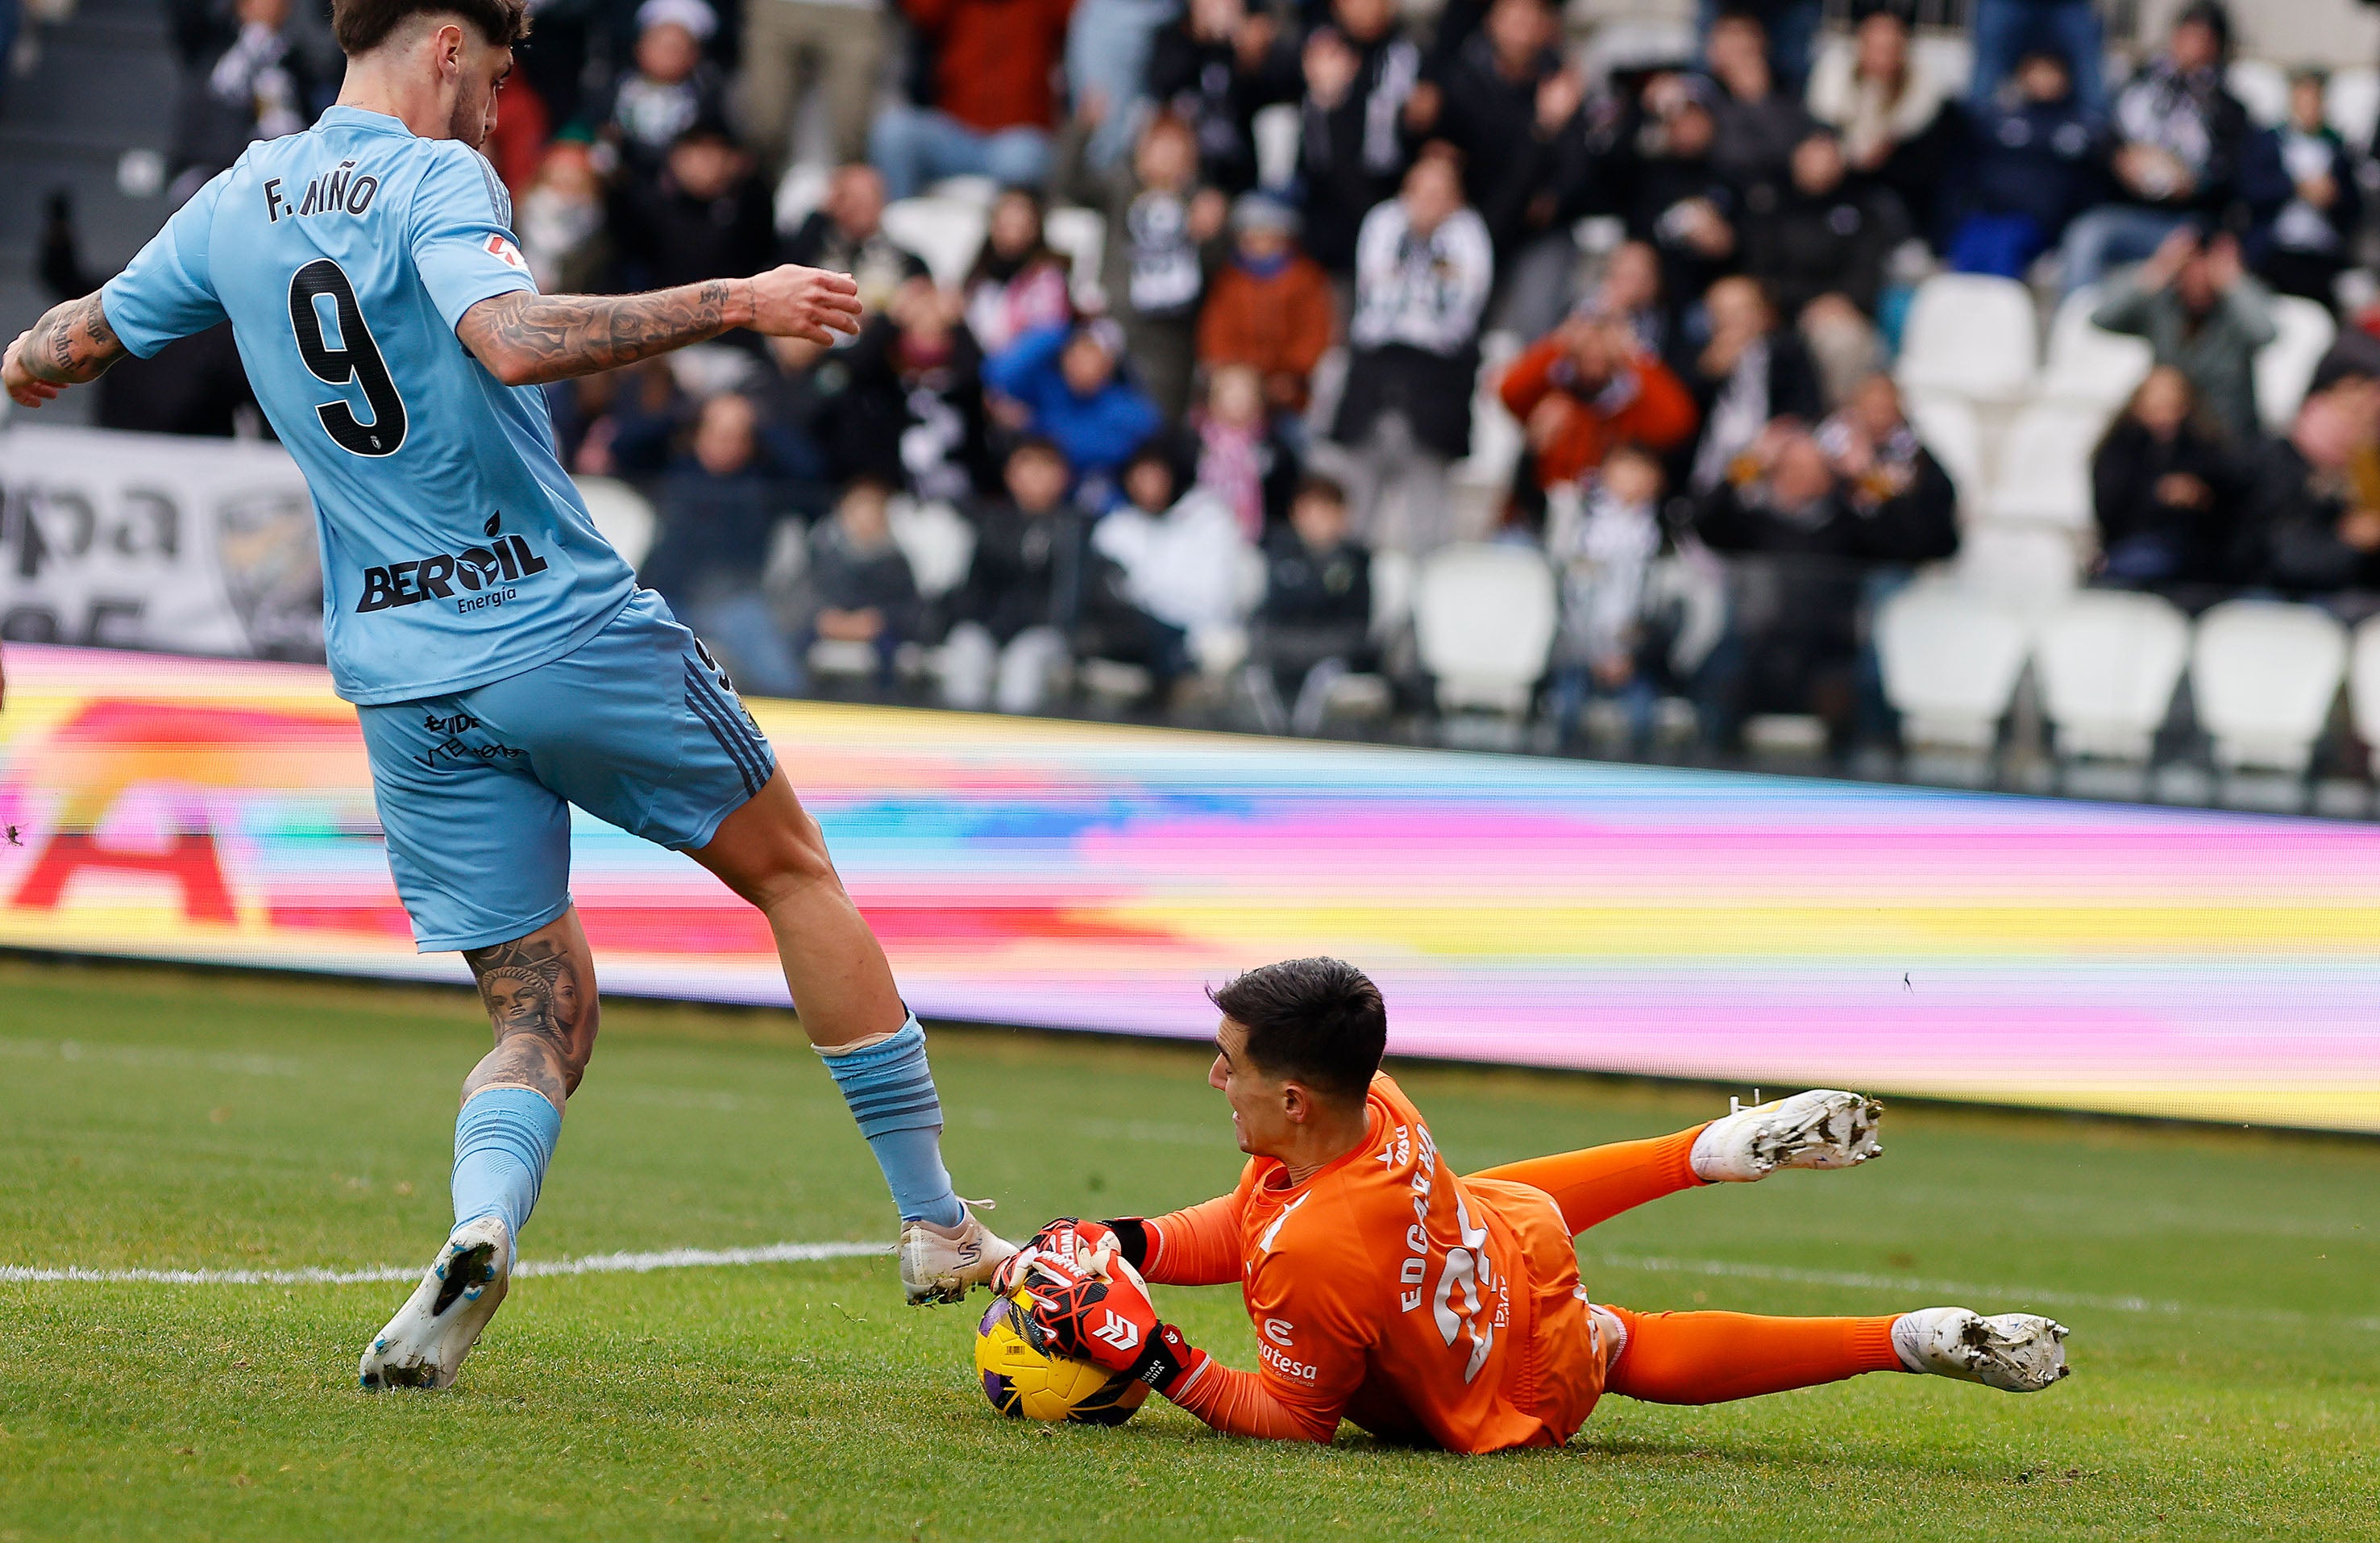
(1093, 1310)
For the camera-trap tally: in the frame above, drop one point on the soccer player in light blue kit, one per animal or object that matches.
(501, 660)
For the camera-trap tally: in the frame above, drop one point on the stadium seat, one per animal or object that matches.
(1950, 660)
(1481, 480)
(799, 191)
(1392, 593)
(1970, 335)
(622, 515)
(2285, 366)
(937, 541)
(2263, 676)
(2108, 661)
(2263, 87)
(2351, 103)
(945, 232)
(1484, 620)
(2088, 364)
(2025, 567)
(967, 187)
(2363, 687)
(1946, 425)
(1082, 236)
(2045, 467)
(1276, 130)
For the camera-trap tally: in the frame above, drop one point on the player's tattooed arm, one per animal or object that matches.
(542, 1010)
(70, 346)
(528, 339)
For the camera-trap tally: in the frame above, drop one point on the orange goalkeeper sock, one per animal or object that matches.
(1598, 1182)
(1711, 1358)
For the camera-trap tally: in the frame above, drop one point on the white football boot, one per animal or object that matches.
(2019, 1353)
(942, 1264)
(424, 1345)
(1823, 1128)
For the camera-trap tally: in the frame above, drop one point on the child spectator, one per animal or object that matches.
(719, 516)
(859, 588)
(1241, 457)
(1018, 606)
(987, 109)
(1315, 623)
(1180, 552)
(1065, 386)
(1018, 284)
(667, 89)
(845, 233)
(1270, 307)
(910, 411)
(1361, 72)
(1586, 389)
(1213, 67)
(1160, 230)
(2308, 248)
(2204, 315)
(705, 217)
(2032, 162)
(2163, 489)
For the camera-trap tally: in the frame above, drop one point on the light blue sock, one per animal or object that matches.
(503, 1138)
(891, 1091)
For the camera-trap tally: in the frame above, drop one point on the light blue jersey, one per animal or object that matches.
(456, 551)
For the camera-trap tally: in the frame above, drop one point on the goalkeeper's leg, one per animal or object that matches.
(1711, 1358)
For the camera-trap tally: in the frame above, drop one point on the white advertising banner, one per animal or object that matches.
(162, 542)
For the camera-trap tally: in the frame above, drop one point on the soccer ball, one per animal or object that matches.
(1026, 1382)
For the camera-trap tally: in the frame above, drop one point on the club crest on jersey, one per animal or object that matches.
(486, 574)
(502, 248)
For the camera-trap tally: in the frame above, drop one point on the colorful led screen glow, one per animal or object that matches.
(1755, 930)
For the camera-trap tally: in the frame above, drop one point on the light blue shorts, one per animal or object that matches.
(637, 726)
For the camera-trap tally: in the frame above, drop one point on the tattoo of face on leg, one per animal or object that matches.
(532, 996)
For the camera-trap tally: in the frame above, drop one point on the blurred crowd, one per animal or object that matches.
(1193, 460)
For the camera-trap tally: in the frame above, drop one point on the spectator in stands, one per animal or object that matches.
(2203, 314)
(1214, 67)
(1587, 389)
(1507, 101)
(719, 516)
(1885, 472)
(2163, 488)
(707, 215)
(1244, 458)
(910, 411)
(791, 45)
(1680, 204)
(1163, 231)
(1065, 385)
(1269, 306)
(859, 587)
(620, 422)
(2033, 159)
(560, 221)
(2309, 244)
(1629, 295)
(1108, 48)
(1893, 114)
(1361, 72)
(1017, 608)
(989, 111)
(846, 233)
(2180, 133)
(1755, 125)
(1313, 624)
(668, 86)
(1638, 615)
(253, 81)
(2006, 32)
(1423, 268)
(1019, 284)
(1180, 551)
(1751, 373)
(1824, 252)
(2313, 514)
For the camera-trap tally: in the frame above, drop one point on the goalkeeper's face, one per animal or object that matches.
(1266, 1110)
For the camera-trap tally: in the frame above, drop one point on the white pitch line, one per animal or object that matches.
(590, 1264)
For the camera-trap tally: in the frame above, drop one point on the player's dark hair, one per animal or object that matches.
(364, 25)
(1317, 1021)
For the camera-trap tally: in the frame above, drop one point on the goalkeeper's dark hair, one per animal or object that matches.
(1315, 1021)
(364, 25)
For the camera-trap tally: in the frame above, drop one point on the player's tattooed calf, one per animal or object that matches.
(543, 1031)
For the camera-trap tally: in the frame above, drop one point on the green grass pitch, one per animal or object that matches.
(2220, 1286)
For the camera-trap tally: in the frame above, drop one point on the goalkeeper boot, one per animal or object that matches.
(942, 1264)
(424, 1345)
(2019, 1353)
(1823, 1128)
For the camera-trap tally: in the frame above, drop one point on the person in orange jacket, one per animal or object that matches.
(1587, 387)
(1270, 307)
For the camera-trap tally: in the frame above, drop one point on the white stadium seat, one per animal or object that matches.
(1970, 335)
(2024, 566)
(1950, 660)
(945, 232)
(2108, 662)
(936, 540)
(2045, 467)
(2285, 366)
(2263, 87)
(1947, 426)
(2263, 676)
(2089, 364)
(1082, 236)
(1276, 130)
(967, 187)
(2363, 687)
(1394, 579)
(1484, 620)
(622, 515)
(2352, 104)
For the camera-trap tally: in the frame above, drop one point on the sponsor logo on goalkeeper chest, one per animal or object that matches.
(480, 577)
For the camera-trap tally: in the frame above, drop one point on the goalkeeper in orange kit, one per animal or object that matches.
(1444, 1309)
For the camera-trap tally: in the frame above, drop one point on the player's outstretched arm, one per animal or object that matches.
(70, 346)
(528, 339)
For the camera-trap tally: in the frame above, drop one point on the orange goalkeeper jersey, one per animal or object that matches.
(1386, 1291)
